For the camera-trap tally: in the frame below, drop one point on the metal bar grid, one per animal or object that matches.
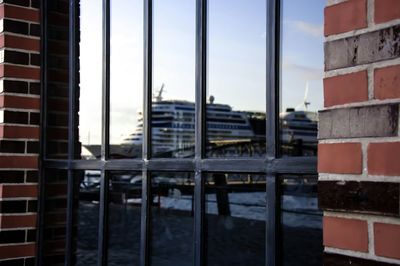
(290, 165)
(271, 165)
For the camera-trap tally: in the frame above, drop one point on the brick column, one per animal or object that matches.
(359, 147)
(19, 129)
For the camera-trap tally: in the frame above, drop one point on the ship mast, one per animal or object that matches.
(158, 98)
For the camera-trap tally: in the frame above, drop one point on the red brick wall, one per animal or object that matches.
(19, 129)
(359, 149)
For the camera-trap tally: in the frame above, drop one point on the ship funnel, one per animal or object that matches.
(211, 99)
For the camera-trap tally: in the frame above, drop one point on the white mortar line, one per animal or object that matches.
(16, 228)
(364, 154)
(352, 69)
(370, 75)
(358, 178)
(9, 33)
(16, 244)
(371, 243)
(334, 2)
(21, 65)
(370, 13)
(18, 199)
(14, 109)
(20, 79)
(24, 7)
(21, 95)
(363, 104)
(22, 125)
(360, 255)
(366, 140)
(369, 217)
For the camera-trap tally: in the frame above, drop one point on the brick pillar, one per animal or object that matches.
(19, 129)
(359, 143)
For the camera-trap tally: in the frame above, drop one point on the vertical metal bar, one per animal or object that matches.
(146, 149)
(148, 77)
(201, 78)
(272, 221)
(43, 122)
(105, 141)
(199, 213)
(271, 75)
(273, 201)
(69, 252)
(145, 219)
(200, 131)
(102, 250)
(72, 117)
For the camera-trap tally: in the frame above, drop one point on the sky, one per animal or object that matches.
(236, 57)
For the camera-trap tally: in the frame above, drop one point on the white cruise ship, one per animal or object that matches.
(173, 126)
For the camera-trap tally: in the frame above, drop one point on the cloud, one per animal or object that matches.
(314, 30)
(309, 73)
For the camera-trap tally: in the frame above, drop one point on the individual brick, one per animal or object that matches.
(34, 118)
(19, 42)
(340, 158)
(34, 30)
(32, 147)
(17, 251)
(345, 16)
(15, 26)
(32, 176)
(17, 2)
(34, 59)
(12, 146)
(356, 122)
(31, 235)
(363, 49)
(15, 57)
(13, 206)
(18, 221)
(387, 240)
(18, 191)
(349, 234)
(20, 13)
(352, 196)
(15, 86)
(12, 71)
(12, 236)
(13, 262)
(20, 102)
(386, 10)
(20, 162)
(348, 88)
(19, 132)
(32, 206)
(383, 158)
(34, 87)
(15, 117)
(35, 3)
(11, 176)
(387, 82)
